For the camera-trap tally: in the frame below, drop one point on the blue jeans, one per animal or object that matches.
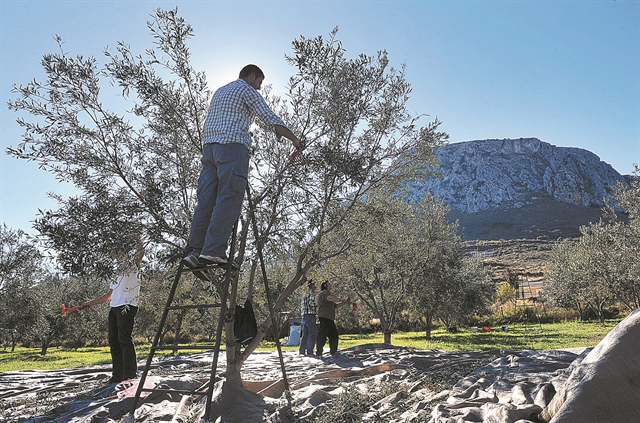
(221, 187)
(123, 351)
(308, 334)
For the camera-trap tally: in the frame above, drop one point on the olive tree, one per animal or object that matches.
(601, 266)
(469, 290)
(564, 286)
(626, 237)
(387, 253)
(24, 299)
(137, 170)
(581, 273)
(360, 139)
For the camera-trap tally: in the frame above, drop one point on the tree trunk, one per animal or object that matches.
(601, 313)
(429, 322)
(178, 329)
(387, 337)
(636, 297)
(234, 362)
(580, 311)
(44, 345)
(233, 376)
(234, 358)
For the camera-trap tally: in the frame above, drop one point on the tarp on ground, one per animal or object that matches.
(498, 386)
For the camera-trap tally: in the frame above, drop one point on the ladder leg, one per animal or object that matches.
(156, 340)
(221, 321)
(274, 320)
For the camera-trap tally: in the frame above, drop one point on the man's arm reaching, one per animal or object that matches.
(283, 131)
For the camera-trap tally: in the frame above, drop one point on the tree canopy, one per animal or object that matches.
(137, 170)
(600, 267)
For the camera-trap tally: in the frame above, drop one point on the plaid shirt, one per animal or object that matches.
(231, 112)
(308, 304)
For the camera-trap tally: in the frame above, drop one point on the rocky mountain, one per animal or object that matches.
(520, 188)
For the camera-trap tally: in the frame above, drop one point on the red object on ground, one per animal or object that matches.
(486, 328)
(65, 310)
(355, 307)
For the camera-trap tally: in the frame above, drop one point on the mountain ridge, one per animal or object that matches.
(520, 188)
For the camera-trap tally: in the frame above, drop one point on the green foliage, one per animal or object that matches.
(91, 232)
(19, 256)
(384, 256)
(506, 293)
(394, 247)
(468, 292)
(451, 287)
(21, 272)
(133, 179)
(600, 268)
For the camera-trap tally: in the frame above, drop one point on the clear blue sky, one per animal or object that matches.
(566, 72)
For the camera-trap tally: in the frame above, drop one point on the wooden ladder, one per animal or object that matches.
(207, 388)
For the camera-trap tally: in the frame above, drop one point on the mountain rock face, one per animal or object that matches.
(513, 173)
(519, 188)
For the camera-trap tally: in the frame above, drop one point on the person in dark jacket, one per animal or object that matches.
(327, 305)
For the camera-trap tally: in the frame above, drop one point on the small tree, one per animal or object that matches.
(21, 271)
(626, 237)
(580, 272)
(470, 291)
(385, 256)
(564, 286)
(441, 255)
(601, 266)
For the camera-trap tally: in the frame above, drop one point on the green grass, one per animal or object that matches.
(56, 358)
(520, 336)
(549, 336)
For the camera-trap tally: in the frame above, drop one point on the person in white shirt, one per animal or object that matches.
(123, 296)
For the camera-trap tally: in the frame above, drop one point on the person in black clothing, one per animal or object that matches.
(327, 305)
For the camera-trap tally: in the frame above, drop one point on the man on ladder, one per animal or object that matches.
(221, 188)
(225, 165)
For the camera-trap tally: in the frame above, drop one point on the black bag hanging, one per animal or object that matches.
(245, 326)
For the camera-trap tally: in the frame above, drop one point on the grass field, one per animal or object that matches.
(520, 336)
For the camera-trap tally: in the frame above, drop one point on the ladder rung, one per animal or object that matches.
(173, 391)
(183, 347)
(187, 306)
(210, 266)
